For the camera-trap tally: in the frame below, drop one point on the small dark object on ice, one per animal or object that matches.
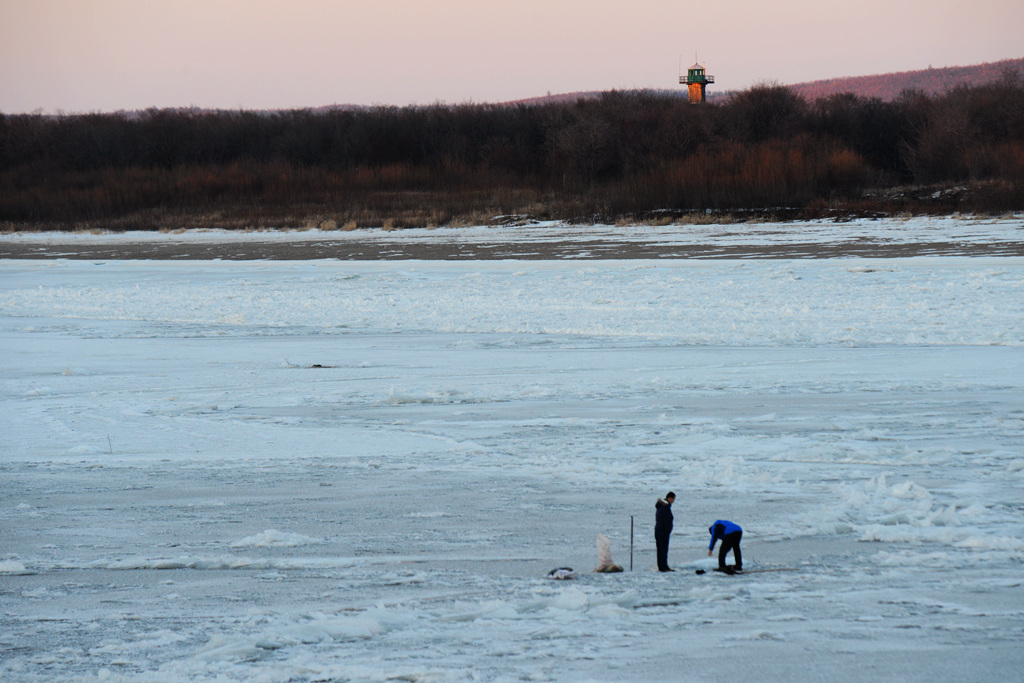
(699, 572)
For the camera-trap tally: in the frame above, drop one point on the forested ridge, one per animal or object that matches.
(624, 154)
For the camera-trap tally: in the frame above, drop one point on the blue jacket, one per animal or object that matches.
(721, 528)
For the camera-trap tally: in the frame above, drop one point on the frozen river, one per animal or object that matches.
(329, 470)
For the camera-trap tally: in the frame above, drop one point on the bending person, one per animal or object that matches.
(730, 535)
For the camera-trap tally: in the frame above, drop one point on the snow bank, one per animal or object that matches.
(215, 562)
(906, 512)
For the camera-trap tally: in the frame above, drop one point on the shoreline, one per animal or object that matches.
(536, 251)
(863, 238)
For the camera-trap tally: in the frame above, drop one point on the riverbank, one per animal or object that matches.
(535, 240)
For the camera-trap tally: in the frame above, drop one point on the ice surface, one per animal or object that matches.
(328, 471)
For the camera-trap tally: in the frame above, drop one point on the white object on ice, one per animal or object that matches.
(604, 556)
(562, 574)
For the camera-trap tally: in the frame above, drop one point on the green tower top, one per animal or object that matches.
(696, 74)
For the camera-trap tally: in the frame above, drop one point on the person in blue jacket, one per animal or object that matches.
(663, 529)
(730, 535)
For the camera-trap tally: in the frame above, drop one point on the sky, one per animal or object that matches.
(106, 55)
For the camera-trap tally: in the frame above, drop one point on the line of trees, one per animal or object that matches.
(624, 153)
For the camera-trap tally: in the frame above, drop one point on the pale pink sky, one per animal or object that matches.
(104, 55)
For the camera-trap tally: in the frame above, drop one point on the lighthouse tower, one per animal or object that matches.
(696, 79)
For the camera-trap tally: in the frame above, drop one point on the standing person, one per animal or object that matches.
(663, 529)
(730, 534)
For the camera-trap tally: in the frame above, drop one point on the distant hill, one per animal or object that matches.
(586, 95)
(889, 86)
(555, 99)
(883, 86)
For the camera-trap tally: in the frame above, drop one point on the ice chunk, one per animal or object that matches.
(271, 538)
(13, 567)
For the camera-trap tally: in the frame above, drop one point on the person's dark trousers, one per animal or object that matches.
(662, 543)
(731, 542)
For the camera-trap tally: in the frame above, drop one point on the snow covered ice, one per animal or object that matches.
(363, 471)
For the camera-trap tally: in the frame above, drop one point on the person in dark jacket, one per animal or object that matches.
(663, 529)
(730, 535)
